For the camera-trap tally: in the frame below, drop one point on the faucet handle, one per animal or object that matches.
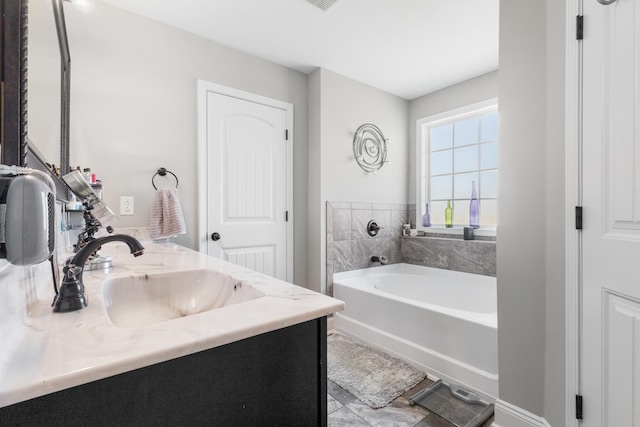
(72, 270)
(373, 228)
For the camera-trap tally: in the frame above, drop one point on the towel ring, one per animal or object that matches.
(163, 172)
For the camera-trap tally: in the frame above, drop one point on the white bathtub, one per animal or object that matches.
(442, 321)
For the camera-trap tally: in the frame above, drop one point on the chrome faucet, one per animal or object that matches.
(381, 259)
(71, 296)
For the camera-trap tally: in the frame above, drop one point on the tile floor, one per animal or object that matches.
(345, 410)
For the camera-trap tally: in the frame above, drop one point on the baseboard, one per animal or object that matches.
(508, 415)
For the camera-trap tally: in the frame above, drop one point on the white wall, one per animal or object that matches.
(133, 106)
(522, 209)
(341, 105)
(346, 104)
(466, 93)
(555, 337)
(317, 230)
(530, 253)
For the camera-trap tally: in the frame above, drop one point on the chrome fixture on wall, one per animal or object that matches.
(370, 148)
(381, 259)
(373, 228)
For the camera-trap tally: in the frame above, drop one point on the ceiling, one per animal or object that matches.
(405, 47)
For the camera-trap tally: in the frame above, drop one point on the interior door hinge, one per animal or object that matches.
(578, 407)
(286, 134)
(286, 216)
(579, 27)
(578, 217)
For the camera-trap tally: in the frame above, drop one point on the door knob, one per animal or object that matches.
(215, 237)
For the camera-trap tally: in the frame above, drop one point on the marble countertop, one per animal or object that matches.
(62, 350)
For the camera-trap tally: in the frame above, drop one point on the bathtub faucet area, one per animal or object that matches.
(71, 297)
(381, 259)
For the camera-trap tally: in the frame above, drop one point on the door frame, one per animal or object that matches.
(205, 87)
(573, 198)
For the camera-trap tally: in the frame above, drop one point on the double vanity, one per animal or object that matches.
(173, 337)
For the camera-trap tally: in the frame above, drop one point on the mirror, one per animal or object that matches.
(65, 85)
(44, 83)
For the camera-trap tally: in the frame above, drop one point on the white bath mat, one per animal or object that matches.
(372, 376)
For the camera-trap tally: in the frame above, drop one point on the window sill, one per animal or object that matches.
(458, 231)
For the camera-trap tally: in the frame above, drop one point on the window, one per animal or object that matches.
(456, 149)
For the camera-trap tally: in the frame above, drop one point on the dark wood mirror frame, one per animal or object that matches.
(15, 148)
(13, 48)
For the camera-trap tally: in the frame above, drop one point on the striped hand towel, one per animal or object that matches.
(166, 219)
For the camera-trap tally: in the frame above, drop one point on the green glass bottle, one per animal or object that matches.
(448, 215)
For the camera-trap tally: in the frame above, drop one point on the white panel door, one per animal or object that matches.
(247, 183)
(610, 371)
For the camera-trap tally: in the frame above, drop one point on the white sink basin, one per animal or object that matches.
(135, 301)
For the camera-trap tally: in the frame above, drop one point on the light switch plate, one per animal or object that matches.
(126, 205)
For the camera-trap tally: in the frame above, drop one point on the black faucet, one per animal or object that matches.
(71, 295)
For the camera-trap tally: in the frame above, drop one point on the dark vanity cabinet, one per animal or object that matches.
(275, 379)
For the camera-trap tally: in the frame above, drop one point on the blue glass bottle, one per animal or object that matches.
(474, 208)
(426, 218)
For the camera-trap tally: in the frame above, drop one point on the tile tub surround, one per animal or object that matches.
(53, 351)
(469, 256)
(349, 246)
